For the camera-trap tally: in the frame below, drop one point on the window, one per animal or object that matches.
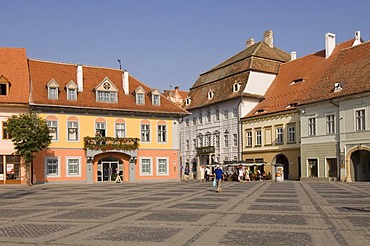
(208, 139)
(52, 167)
(258, 137)
(226, 140)
(162, 133)
(53, 92)
(72, 130)
(200, 118)
(235, 112)
(217, 113)
(146, 167)
(311, 126)
(100, 129)
(120, 130)
(226, 114)
(5, 131)
(162, 165)
(106, 96)
(330, 124)
(194, 121)
(156, 100)
(187, 100)
(208, 116)
(71, 94)
(291, 134)
(53, 129)
(210, 95)
(140, 98)
(235, 140)
(145, 133)
(187, 145)
(194, 143)
(73, 166)
(249, 138)
(217, 140)
(187, 122)
(360, 119)
(236, 87)
(279, 135)
(3, 89)
(200, 140)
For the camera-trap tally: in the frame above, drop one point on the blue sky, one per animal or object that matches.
(163, 42)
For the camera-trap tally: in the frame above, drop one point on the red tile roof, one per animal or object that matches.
(259, 57)
(43, 71)
(296, 80)
(13, 66)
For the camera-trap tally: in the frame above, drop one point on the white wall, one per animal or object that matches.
(258, 83)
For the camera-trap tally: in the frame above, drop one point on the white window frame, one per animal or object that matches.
(249, 138)
(162, 133)
(330, 123)
(258, 137)
(140, 98)
(360, 120)
(312, 126)
(156, 100)
(51, 125)
(226, 140)
(235, 140)
(70, 125)
(291, 133)
(226, 114)
(150, 172)
(187, 144)
(120, 129)
(72, 94)
(235, 112)
(53, 92)
(145, 133)
(217, 114)
(46, 162)
(106, 96)
(166, 173)
(78, 158)
(279, 135)
(101, 126)
(209, 116)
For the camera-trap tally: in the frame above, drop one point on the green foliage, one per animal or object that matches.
(29, 134)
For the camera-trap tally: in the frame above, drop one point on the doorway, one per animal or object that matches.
(108, 169)
(282, 159)
(360, 165)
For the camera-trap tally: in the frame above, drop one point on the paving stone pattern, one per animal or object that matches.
(193, 213)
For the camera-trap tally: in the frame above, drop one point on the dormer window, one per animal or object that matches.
(236, 87)
(53, 90)
(291, 105)
(106, 91)
(260, 111)
(188, 101)
(156, 97)
(140, 95)
(210, 95)
(71, 88)
(4, 86)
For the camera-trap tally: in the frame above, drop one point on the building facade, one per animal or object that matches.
(218, 100)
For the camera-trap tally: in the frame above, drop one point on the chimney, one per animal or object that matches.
(268, 38)
(357, 38)
(125, 82)
(293, 55)
(176, 88)
(80, 82)
(329, 44)
(249, 42)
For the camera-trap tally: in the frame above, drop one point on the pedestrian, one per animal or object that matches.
(247, 177)
(207, 173)
(202, 173)
(241, 174)
(118, 177)
(186, 174)
(219, 174)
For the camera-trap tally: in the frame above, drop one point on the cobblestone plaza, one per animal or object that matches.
(256, 213)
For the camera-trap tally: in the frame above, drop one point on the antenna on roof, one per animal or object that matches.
(119, 61)
(171, 86)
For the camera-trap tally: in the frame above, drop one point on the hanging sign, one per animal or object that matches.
(9, 168)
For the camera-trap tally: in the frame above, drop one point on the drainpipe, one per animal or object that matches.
(337, 136)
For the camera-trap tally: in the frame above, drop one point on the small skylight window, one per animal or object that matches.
(291, 105)
(188, 101)
(210, 94)
(260, 111)
(236, 87)
(296, 81)
(337, 87)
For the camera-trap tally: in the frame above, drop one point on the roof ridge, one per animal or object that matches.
(75, 64)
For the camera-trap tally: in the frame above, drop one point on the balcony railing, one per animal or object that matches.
(110, 143)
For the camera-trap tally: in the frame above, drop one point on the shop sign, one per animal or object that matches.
(9, 168)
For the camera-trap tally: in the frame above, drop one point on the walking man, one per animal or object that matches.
(219, 177)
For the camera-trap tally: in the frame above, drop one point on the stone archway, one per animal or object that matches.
(358, 164)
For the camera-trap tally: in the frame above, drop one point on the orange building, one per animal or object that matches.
(103, 123)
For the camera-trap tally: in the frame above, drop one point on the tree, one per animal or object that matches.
(29, 134)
